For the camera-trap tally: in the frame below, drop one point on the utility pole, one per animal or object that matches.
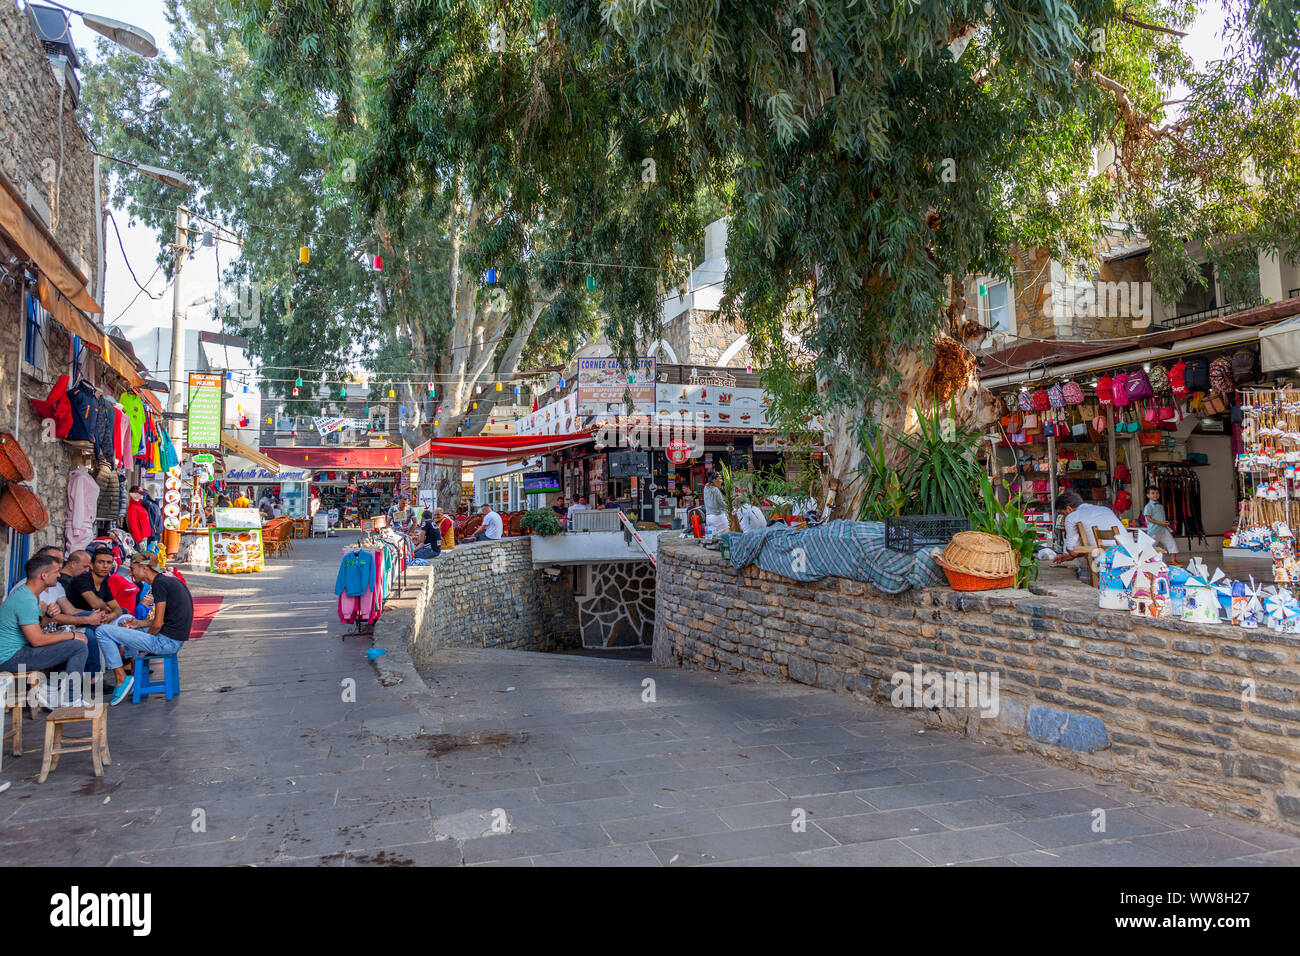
(178, 384)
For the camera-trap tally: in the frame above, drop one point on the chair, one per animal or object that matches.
(516, 524)
(169, 686)
(56, 744)
(471, 527)
(20, 686)
(1102, 538)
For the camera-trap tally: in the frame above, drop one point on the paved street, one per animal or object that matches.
(562, 755)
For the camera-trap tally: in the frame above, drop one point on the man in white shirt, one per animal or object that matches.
(491, 529)
(1080, 519)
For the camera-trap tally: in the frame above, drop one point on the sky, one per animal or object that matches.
(1204, 43)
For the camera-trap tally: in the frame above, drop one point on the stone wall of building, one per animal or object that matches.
(46, 157)
(1208, 715)
(487, 594)
(700, 337)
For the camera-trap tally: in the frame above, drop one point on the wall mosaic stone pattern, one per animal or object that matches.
(619, 608)
(1159, 703)
(487, 594)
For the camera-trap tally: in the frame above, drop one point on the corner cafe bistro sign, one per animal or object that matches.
(241, 469)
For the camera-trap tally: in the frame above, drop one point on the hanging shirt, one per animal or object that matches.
(121, 435)
(137, 520)
(356, 574)
(105, 431)
(83, 501)
(448, 529)
(85, 413)
(134, 409)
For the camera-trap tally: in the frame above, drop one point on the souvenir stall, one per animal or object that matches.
(351, 482)
(1267, 483)
(1135, 578)
(1152, 423)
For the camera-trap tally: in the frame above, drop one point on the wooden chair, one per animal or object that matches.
(1102, 539)
(471, 527)
(516, 525)
(14, 698)
(56, 744)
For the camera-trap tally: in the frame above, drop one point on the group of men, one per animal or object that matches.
(64, 617)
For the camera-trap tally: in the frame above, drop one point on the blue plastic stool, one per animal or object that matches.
(145, 685)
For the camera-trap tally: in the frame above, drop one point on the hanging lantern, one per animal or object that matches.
(403, 410)
(749, 368)
(230, 376)
(245, 389)
(379, 263)
(295, 391)
(298, 383)
(367, 410)
(516, 391)
(474, 406)
(304, 254)
(268, 421)
(492, 276)
(591, 282)
(208, 239)
(440, 409)
(391, 393)
(498, 386)
(436, 423)
(343, 391)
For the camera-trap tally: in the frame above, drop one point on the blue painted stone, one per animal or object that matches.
(1072, 731)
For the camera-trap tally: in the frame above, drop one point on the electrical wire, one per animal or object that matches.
(129, 269)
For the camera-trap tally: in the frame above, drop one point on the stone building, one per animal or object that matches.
(51, 268)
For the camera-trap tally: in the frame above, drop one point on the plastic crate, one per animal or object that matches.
(913, 533)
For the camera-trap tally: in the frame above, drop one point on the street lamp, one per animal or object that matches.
(123, 34)
(167, 176)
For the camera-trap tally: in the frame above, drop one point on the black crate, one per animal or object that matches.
(913, 533)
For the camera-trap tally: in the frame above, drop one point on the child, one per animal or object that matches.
(1158, 526)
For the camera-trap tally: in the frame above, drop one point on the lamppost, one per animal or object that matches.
(123, 34)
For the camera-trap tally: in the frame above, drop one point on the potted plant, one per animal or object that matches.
(541, 521)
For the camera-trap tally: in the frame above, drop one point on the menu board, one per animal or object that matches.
(203, 414)
(603, 384)
(235, 551)
(236, 518)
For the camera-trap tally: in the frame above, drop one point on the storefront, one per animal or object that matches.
(354, 483)
(1111, 427)
(291, 487)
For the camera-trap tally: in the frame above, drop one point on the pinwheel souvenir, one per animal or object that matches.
(1202, 603)
(1282, 612)
(1252, 614)
(1111, 592)
(1144, 574)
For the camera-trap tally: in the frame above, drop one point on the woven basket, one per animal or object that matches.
(14, 463)
(22, 510)
(976, 561)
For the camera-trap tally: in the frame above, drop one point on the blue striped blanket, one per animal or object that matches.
(845, 549)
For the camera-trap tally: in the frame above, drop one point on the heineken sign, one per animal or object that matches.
(203, 414)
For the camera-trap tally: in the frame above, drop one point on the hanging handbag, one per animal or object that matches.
(1079, 431)
(1216, 404)
(1148, 438)
(1030, 423)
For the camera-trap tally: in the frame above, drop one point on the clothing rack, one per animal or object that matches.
(1180, 495)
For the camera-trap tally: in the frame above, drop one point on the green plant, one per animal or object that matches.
(734, 484)
(938, 474)
(1008, 521)
(542, 521)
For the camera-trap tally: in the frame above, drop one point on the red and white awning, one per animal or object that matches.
(493, 449)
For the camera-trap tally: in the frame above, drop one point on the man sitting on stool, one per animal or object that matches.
(24, 646)
(168, 628)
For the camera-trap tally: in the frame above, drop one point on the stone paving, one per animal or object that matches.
(517, 758)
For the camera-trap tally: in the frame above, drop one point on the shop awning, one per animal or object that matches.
(338, 458)
(1279, 346)
(491, 449)
(35, 240)
(231, 443)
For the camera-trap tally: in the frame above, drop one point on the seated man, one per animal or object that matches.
(431, 546)
(1080, 519)
(560, 509)
(53, 551)
(163, 633)
(90, 591)
(447, 527)
(25, 647)
(492, 527)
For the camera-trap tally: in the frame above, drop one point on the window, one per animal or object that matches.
(1196, 298)
(995, 308)
(33, 332)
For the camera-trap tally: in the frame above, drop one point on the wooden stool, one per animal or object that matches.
(18, 693)
(56, 744)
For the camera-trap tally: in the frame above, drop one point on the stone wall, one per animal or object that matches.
(1208, 715)
(487, 594)
(700, 337)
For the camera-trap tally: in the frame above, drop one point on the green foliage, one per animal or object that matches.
(1008, 521)
(542, 521)
(939, 473)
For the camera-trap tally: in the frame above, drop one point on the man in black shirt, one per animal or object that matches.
(432, 546)
(162, 634)
(560, 508)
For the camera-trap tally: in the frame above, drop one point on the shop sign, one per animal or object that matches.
(204, 459)
(204, 413)
(678, 451)
(603, 385)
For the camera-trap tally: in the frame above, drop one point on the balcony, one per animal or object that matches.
(1192, 318)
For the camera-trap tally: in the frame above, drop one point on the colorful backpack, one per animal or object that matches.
(1026, 402)
(1104, 389)
(1040, 401)
(1198, 375)
(1073, 393)
(1159, 378)
(1221, 375)
(1056, 397)
(1178, 379)
(1119, 390)
(1139, 386)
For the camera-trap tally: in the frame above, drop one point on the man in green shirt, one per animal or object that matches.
(24, 646)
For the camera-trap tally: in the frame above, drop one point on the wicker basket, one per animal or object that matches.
(14, 463)
(22, 510)
(976, 561)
